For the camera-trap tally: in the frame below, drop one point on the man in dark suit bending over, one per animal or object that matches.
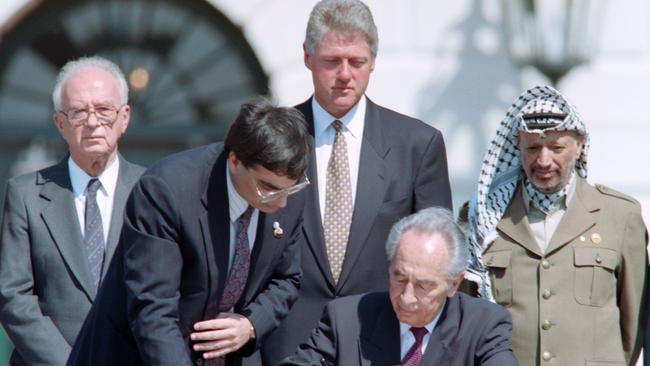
(422, 320)
(369, 168)
(208, 261)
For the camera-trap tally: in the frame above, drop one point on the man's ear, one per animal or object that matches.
(58, 120)
(454, 284)
(306, 57)
(233, 162)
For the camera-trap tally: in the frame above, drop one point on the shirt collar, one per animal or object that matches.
(353, 120)
(108, 178)
(405, 328)
(236, 203)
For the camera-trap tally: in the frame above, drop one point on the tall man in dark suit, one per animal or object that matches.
(370, 167)
(208, 261)
(422, 320)
(61, 224)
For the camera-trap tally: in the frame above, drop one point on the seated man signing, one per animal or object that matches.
(422, 320)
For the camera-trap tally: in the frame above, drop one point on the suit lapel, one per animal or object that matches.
(514, 224)
(382, 345)
(578, 218)
(312, 224)
(264, 252)
(438, 351)
(125, 180)
(215, 228)
(60, 217)
(371, 187)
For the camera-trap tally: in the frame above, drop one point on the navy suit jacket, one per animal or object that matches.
(172, 262)
(363, 330)
(402, 169)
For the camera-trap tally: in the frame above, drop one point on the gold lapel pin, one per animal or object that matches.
(595, 238)
(277, 230)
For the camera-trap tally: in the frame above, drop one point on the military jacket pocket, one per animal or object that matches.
(498, 262)
(595, 280)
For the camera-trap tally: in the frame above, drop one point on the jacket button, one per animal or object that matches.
(546, 356)
(546, 325)
(199, 361)
(546, 264)
(599, 260)
(546, 294)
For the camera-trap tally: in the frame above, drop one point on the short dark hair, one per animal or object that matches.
(274, 137)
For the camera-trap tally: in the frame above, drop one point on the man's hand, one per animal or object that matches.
(226, 333)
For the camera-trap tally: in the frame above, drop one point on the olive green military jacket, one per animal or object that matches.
(579, 303)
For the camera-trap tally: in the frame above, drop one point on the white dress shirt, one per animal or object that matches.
(324, 134)
(105, 194)
(407, 339)
(237, 206)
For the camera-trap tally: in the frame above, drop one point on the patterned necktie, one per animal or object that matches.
(238, 273)
(338, 202)
(240, 264)
(414, 355)
(94, 231)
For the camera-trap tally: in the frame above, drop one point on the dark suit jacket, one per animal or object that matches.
(402, 169)
(171, 265)
(363, 330)
(46, 288)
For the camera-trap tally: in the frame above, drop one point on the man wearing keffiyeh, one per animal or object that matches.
(566, 258)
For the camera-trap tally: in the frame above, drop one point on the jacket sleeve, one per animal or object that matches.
(495, 349)
(36, 338)
(152, 273)
(321, 347)
(432, 180)
(631, 286)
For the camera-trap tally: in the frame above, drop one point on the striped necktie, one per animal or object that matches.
(94, 231)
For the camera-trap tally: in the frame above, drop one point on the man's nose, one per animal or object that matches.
(344, 71)
(408, 295)
(544, 157)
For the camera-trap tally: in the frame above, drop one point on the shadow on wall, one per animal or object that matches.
(470, 93)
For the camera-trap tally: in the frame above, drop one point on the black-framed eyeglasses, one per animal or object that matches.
(106, 115)
(274, 195)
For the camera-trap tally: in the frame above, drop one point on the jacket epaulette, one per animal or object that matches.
(614, 193)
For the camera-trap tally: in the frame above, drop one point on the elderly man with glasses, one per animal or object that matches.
(208, 262)
(61, 224)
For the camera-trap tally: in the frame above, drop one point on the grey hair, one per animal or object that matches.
(433, 220)
(84, 62)
(345, 16)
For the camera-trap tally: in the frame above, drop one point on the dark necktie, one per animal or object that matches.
(240, 264)
(414, 355)
(338, 202)
(94, 231)
(238, 273)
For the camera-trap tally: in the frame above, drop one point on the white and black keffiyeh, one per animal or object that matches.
(538, 110)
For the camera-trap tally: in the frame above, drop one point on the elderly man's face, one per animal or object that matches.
(93, 90)
(340, 68)
(549, 161)
(418, 277)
